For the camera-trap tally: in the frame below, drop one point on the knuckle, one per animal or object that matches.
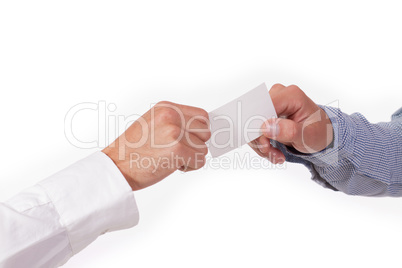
(293, 89)
(167, 115)
(277, 87)
(174, 132)
(163, 103)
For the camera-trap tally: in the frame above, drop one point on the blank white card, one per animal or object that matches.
(239, 121)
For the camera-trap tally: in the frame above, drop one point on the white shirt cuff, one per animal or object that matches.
(92, 197)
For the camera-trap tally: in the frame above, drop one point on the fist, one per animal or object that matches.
(167, 138)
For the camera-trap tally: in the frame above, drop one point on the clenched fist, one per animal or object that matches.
(167, 138)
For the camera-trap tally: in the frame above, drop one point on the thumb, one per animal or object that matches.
(280, 129)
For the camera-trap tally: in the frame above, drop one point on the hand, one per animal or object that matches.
(166, 138)
(301, 125)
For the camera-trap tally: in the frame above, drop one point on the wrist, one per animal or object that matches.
(122, 165)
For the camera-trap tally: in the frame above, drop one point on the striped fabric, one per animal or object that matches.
(366, 159)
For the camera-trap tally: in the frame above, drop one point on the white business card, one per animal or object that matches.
(239, 121)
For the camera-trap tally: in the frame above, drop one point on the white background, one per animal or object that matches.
(54, 55)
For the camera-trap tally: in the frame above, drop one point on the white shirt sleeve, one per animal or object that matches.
(48, 223)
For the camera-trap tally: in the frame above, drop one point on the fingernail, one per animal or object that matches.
(272, 129)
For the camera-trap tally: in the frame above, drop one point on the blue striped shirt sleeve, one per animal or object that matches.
(365, 159)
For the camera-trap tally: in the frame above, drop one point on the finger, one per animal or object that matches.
(193, 141)
(291, 102)
(201, 118)
(198, 127)
(255, 146)
(276, 88)
(273, 154)
(264, 144)
(286, 101)
(283, 130)
(195, 121)
(260, 145)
